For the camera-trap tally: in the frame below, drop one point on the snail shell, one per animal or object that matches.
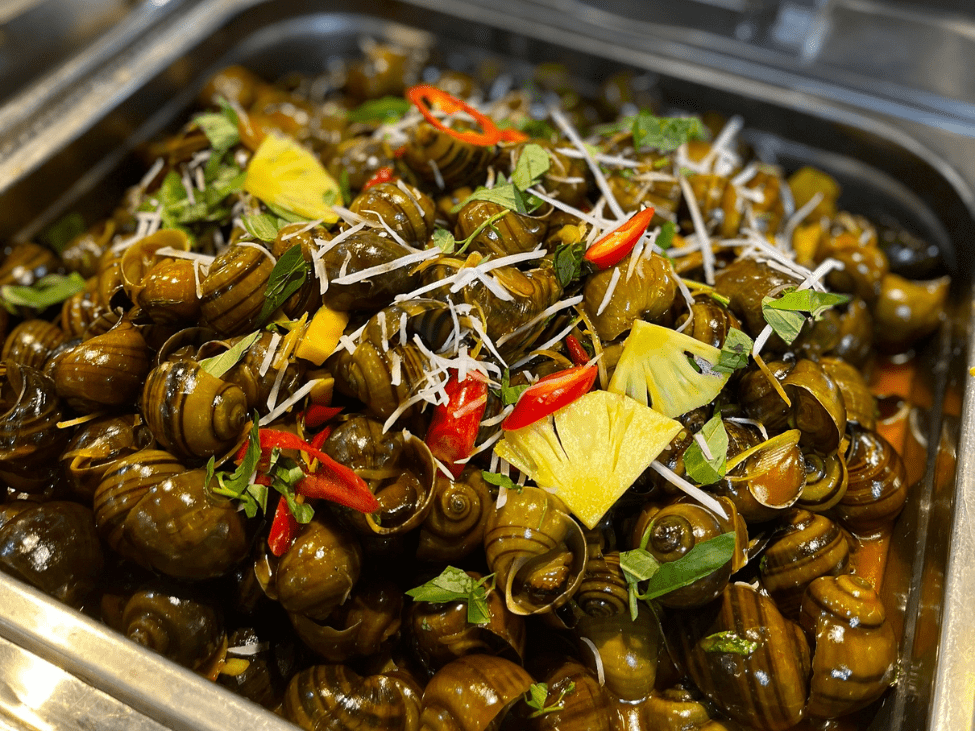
(437, 156)
(646, 295)
(818, 411)
(32, 342)
(627, 650)
(856, 651)
(455, 525)
(233, 289)
(538, 552)
(603, 591)
(359, 251)
(97, 445)
(104, 371)
(336, 697)
(759, 398)
(674, 709)
(764, 689)
(877, 483)
(191, 412)
(861, 406)
(490, 684)
(808, 546)
(513, 233)
(766, 478)
(407, 210)
(826, 481)
(585, 705)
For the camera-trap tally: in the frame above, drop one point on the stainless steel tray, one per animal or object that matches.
(891, 164)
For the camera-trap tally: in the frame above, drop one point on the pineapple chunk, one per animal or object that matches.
(590, 451)
(322, 335)
(283, 173)
(655, 363)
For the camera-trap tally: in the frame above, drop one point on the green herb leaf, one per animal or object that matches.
(455, 585)
(638, 565)
(60, 233)
(220, 364)
(703, 559)
(788, 313)
(284, 213)
(537, 695)
(699, 468)
(493, 478)
(262, 226)
(734, 352)
(285, 475)
(506, 195)
(665, 133)
(538, 128)
(219, 129)
(50, 289)
(533, 163)
(665, 239)
(729, 642)
(510, 394)
(345, 187)
(286, 278)
(235, 485)
(444, 240)
(385, 109)
(568, 262)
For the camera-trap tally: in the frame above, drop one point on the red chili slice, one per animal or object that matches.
(454, 426)
(284, 529)
(383, 175)
(577, 353)
(549, 394)
(316, 415)
(614, 246)
(425, 97)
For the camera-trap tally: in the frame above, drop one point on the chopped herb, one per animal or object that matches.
(505, 194)
(60, 233)
(788, 313)
(493, 478)
(719, 298)
(538, 128)
(444, 240)
(220, 128)
(734, 352)
(510, 394)
(237, 485)
(285, 215)
(699, 468)
(729, 642)
(262, 226)
(218, 365)
(455, 585)
(285, 475)
(49, 290)
(537, 695)
(286, 278)
(533, 163)
(665, 133)
(385, 109)
(665, 239)
(568, 262)
(703, 559)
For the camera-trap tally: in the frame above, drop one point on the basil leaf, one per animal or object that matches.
(538, 128)
(454, 585)
(703, 559)
(788, 313)
(537, 695)
(493, 478)
(505, 195)
(285, 475)
(235, 485)
(638, 565)
(220, 364)
(568, 262)
(786, 324)
(729, 642)
(665, 133)
(286, 278)
(60, 233)
(219, 129)
(444, 240)
(50, 289)
(734, 352)
(385, 109)
(510, 394)
(665, 239)
(262, 226)
(698, 467)
(288, 216)
(533, 163)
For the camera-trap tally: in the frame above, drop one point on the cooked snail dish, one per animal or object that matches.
(401, 405)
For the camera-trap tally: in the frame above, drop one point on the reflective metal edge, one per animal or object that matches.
(953, 704)
(153, 686)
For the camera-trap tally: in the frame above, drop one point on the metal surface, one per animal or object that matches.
(892, 159)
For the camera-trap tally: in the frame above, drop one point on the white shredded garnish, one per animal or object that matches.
(796, 218)
(752, 422)
(188, 187)
(197, 283)
(351, 216)
(694, 491)
(395, 369)
(344, 267)
(199, 179)
(288, 403)
(443, 468)
(707, 256)
(703, 444)
(436, 174)
(321, 272)
(600, 670)
(152, 173)
(402, 328)
(263, 250)
(566, 208)
(83, 420)
(272, 349)
(388, 266)
(272, 397)
(180, 254)
(614, 278)
(547, 312)
(248, 649)
(689, 300)
(601, 182)
(502, 497)
(548, 343)
(307, 227)
(487, 444)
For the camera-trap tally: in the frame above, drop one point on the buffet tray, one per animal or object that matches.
(79, 154)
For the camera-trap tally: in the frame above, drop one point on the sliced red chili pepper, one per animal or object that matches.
(383, 175)
(453, 429)
(577, 353)
(614, 246)
(549, 394)
(284, 529)
(316, 415)
(319, 439)
(510, 134)
(425, 97)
